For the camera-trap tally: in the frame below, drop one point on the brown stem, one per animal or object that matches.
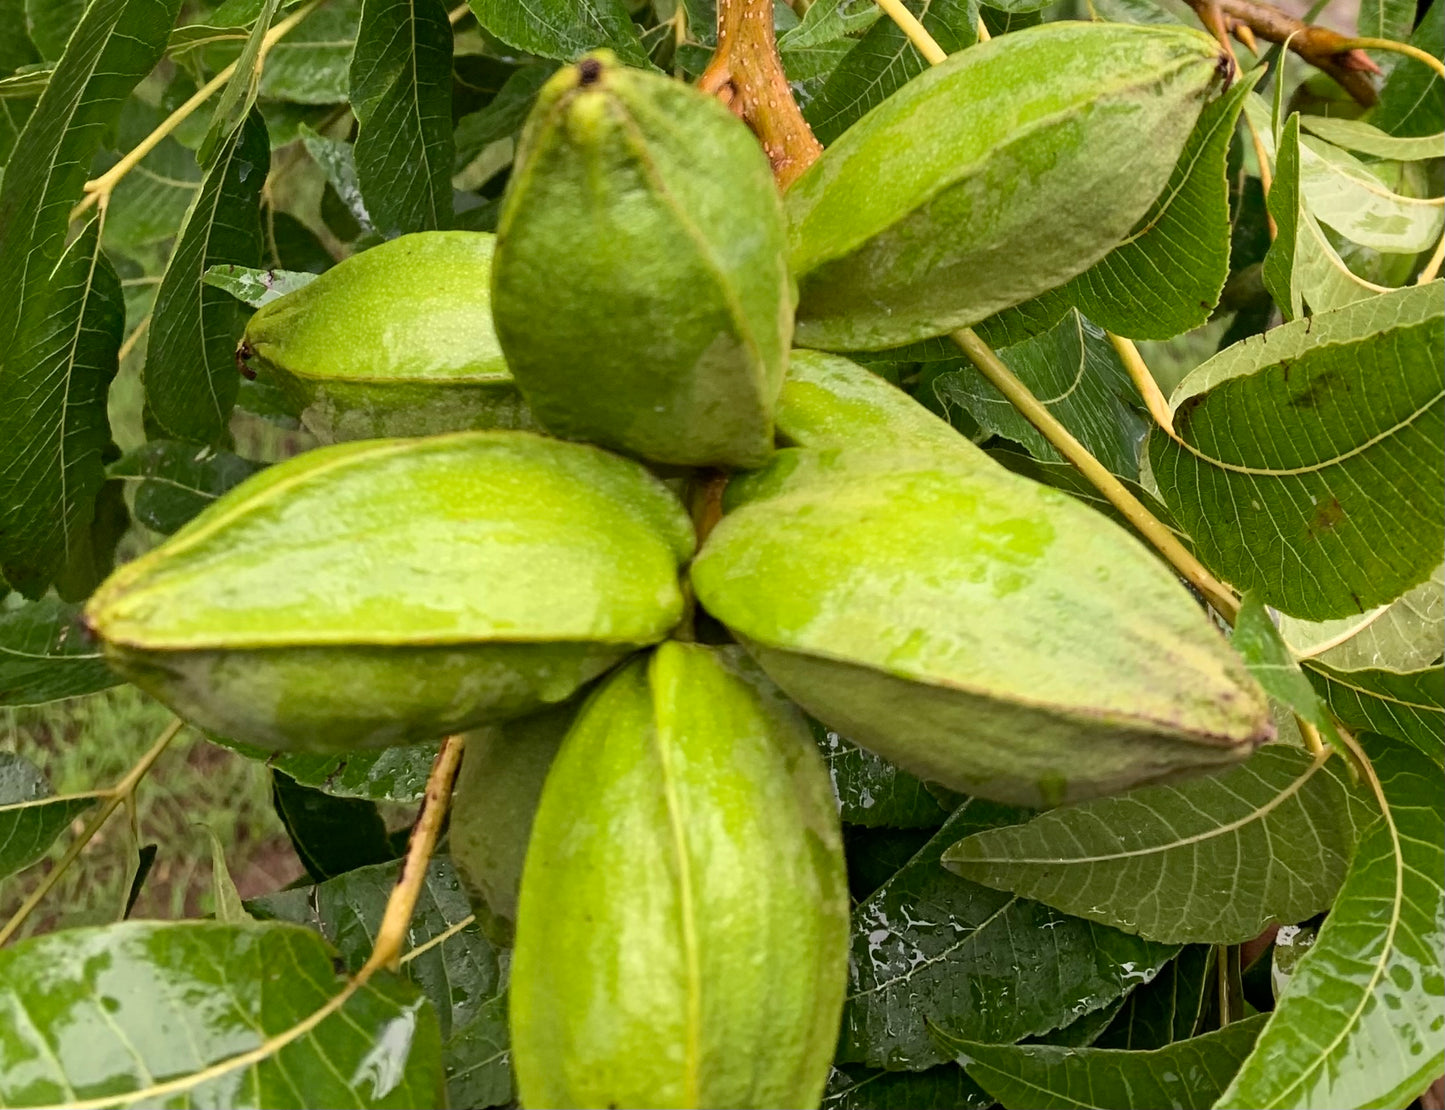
(1324, 49)
(746, 74)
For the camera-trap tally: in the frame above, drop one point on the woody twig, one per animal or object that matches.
(746, 74)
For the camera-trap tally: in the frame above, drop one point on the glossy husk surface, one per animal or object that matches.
(682, 929)
(990, 178)
(980, 630)
(390, 590)
(394, 341)
(641, 290)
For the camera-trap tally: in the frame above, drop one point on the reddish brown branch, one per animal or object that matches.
(1322, 48)
(747, 75)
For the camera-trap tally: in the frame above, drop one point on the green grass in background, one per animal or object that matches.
(92, 742)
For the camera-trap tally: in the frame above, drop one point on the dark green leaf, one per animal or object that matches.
(945, 1087)
(1188, 1075)
(1270, 661)
(1357, 1024)
(873, 792)
(1310, 459)
(1386, 19)
(565, 29)
(401, 93)
(1074, 371)
(50, 23)
(309, 66)
(239, 95)
(49, 456)
(198, 1013)
(502, 116)
(54, 428)
(388, 775)
(190, 371)
(931, 948)
(256, 287)
(827, 21)
(16, 47)
(150, 202)
(808, 68)
(461, 973)
(884, 61)
(875, 855)
(46, 655)
(178, 480)
(1411, 102)
(1169, 1009)
(31, 815)
(1407, 705)
(1181, 863)
(331, 835)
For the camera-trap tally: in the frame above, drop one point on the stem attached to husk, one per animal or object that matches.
(391, 934)
(747, 75)
(111, 800)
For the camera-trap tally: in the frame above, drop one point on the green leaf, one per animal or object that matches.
(1302, 267)
(503, 114)
(31, 815)
(401, 93)
(1185, 1076)
(1358, 1023)
(338, 162)
(1386, 19)
(331, 835)
(50, 23)
(827, 21)
(201, 1013)
(54, 428)
(884, 61)
(239, 95)
(16, 47)
(930, 948)
(190, 370)
(1166, 277)
(256, 287)
(1408, 705)
(1311, 458)
(1358, 201)
(1269, 659)
(450, 960)
(946, 1087)
(1169, 1009)
(1182, 864)
(1404, 635)
(564, 29)
(178, 480)
(1074, 371)
(47, 469)
(229, 910)
(151, 201)
(46, 655)
(875, 793)
(1411, 102)
(28, 83)
(396, 774)
(1353, 134)
(310, 65)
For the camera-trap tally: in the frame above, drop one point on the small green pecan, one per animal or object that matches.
(990, 178)
(682, 929)
(394, 341)
(390, 591)
(976, 628)
(641, 291)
